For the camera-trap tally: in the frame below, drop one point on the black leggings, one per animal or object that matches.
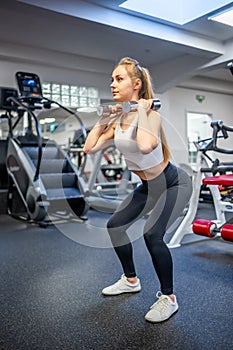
(164, 198)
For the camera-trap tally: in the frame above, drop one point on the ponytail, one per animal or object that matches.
(146, 91)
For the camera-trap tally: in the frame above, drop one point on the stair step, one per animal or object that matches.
(47, 152)
(60, 180)
(63, 193)
(52, 166)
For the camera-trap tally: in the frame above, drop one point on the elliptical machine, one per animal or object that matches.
(40, 172)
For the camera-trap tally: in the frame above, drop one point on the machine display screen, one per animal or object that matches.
(29, 85)
(29, 82)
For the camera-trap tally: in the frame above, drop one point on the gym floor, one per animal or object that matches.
(51, 282)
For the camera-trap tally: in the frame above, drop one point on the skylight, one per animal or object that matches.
(225, 17)
(179, 11)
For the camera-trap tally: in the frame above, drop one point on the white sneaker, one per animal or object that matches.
(122, 286)
(162, 309)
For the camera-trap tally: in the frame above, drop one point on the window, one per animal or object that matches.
(70, 95)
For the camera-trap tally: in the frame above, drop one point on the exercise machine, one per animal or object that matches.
(108, 184)
(218, 228)
(41, 175)
(107, 178)
(5, 105)
(206, 167)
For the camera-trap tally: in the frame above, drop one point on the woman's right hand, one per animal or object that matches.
(109, 111)
(116, 110)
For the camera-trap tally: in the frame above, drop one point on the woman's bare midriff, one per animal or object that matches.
(151, 173)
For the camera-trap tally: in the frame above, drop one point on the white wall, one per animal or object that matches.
(53, 66)
(175, 104)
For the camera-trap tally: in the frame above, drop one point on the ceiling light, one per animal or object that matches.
(86, 109)
(50, 120)
(225, 17)
(47, 120)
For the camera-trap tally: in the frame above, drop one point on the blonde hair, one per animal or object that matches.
(146, 91)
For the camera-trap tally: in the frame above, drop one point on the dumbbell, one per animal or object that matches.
(106, 109)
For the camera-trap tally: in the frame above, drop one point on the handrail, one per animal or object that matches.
(39, 138)
(218, 126)
(38, 131)
(210, 144)
(71, 112)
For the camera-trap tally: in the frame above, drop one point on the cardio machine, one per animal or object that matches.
(206, 170)
(41, 175)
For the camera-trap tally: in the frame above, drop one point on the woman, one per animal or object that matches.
(164, 190)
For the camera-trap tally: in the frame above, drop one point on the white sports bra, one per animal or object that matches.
(125, 141)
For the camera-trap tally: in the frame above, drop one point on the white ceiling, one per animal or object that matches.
(100, 29)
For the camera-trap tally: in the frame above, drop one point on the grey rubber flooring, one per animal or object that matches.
(51, 281)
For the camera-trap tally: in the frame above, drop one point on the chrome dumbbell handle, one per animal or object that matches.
(106, 109)
(132, 106)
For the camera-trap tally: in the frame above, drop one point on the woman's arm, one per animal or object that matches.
(101, 135)
(149, 125)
